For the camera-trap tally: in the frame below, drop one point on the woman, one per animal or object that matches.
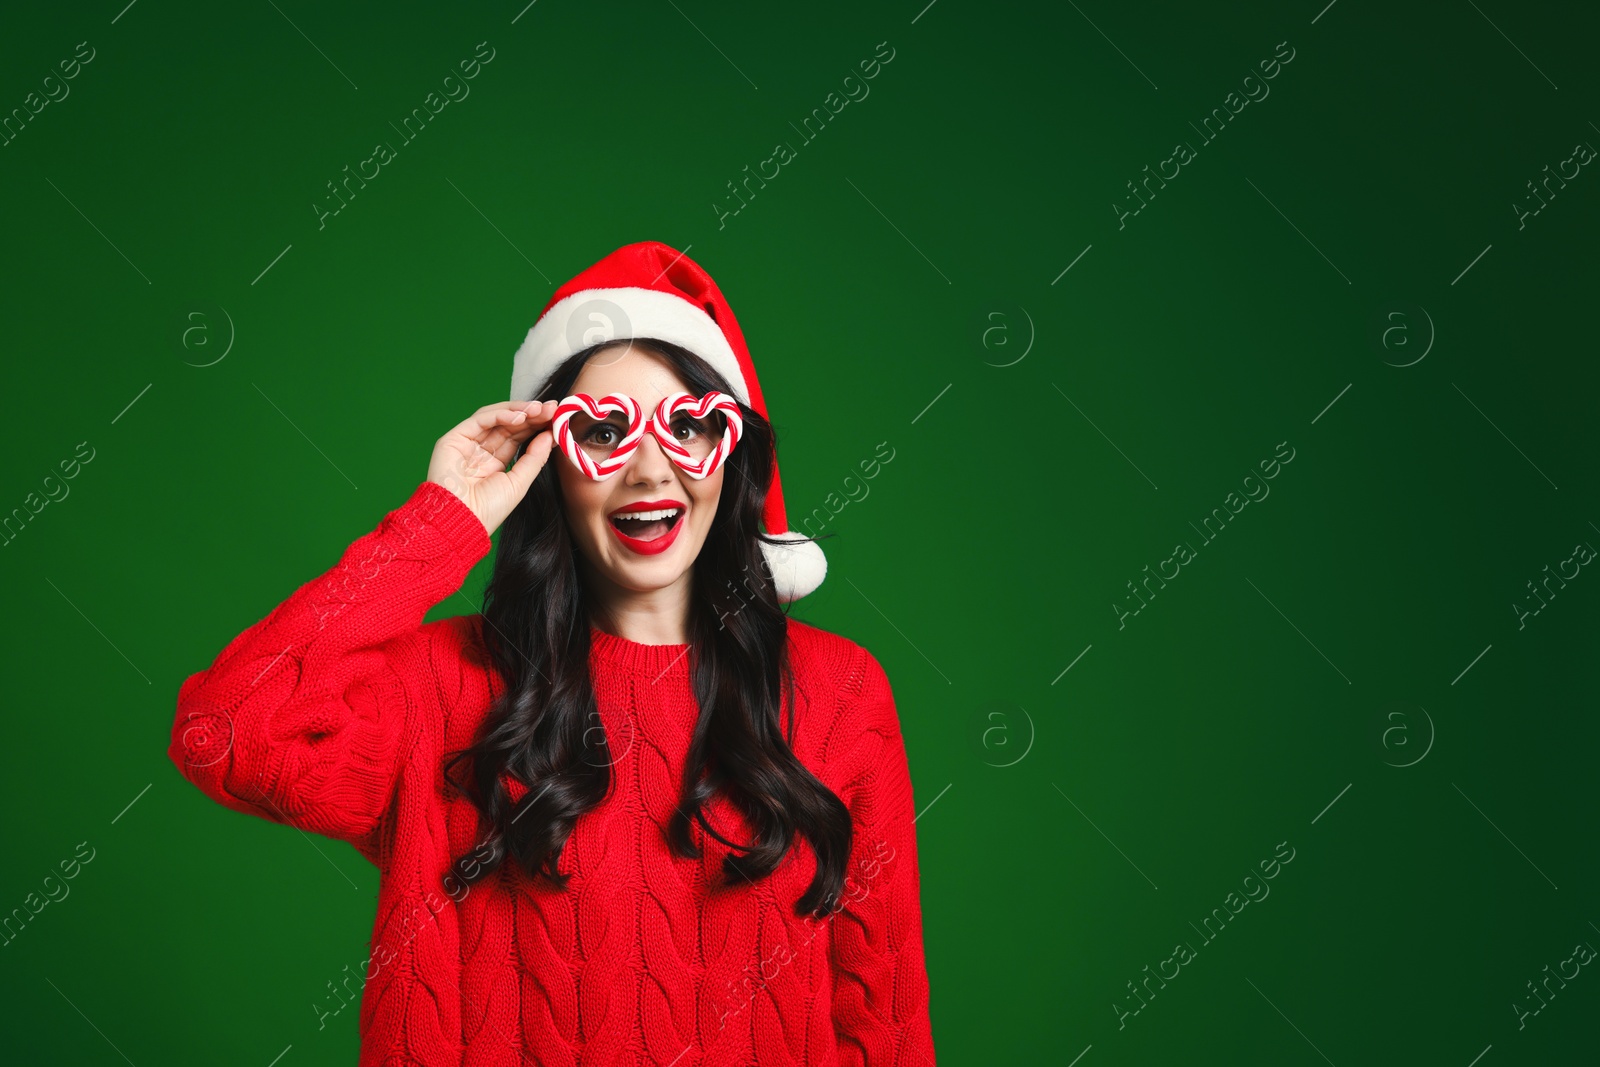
(633, 812)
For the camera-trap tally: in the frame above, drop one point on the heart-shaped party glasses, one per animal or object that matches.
(600, 436)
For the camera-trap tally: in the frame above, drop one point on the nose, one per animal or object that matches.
(649, 464)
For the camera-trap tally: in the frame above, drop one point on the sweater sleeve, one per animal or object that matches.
(880, 980)
(306, 717)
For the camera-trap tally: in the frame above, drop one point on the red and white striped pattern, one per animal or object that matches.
(659, 425)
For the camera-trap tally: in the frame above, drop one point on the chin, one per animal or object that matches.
(645, 578)
(653, 571)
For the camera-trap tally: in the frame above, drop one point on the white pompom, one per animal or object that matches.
(798, 566)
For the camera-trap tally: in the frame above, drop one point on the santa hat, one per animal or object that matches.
(652, 290)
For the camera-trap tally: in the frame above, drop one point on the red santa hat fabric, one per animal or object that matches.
(650, 289)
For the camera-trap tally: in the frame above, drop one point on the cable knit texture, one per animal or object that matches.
(334, 715)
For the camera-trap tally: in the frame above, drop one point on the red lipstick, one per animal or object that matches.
(656, 545)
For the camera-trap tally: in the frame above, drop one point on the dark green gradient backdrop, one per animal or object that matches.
(1346, 668)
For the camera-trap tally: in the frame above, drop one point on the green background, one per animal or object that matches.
(1341, 670)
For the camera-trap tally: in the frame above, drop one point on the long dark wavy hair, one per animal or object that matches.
(536, 618)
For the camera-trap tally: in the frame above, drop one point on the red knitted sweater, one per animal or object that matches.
(334, 714)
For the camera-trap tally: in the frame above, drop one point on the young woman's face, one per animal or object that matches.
(637, 562)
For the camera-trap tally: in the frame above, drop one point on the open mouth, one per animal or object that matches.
(648, 525)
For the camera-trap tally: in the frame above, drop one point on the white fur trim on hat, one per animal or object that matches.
(594, 315)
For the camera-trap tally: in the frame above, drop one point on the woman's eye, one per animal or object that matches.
(685, 429)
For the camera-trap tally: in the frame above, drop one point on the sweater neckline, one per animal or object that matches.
(654, 660)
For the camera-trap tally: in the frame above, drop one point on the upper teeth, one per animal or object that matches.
(664, 513)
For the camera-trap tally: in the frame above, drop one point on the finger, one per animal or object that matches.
(537, 410)
(527, 468)
(513, 428)
(493, 426)
(500, 443)
(504, 446)
(488, 416)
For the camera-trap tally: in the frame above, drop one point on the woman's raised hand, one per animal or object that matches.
(471, 459)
